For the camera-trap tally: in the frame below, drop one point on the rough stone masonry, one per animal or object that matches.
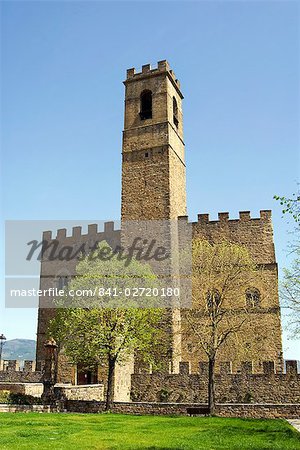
(154, 188)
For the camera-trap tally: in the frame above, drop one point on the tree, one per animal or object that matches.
(291, 205)
(290, 285)
(221, 273)
(101, 321)
(290, 293)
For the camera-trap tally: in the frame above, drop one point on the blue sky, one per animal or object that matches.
(62, 108)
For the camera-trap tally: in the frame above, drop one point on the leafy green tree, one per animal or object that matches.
(290, 285)
(290, 205)
(290, 294)
(105, 316)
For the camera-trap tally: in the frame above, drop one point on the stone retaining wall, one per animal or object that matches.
(225, 410)
(25, 408)
(257, 411)
(35, 389)
(87, 392)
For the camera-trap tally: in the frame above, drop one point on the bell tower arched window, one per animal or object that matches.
(146, 105)
(175, 112)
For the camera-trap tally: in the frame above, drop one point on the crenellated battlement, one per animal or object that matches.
(244, 216)
(226, 368)
(93, 230)
(11, 372)
(109, 227)
(254, 232)
(14, 366)
(162, 66)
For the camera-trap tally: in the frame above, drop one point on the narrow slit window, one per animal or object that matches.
(175, 112)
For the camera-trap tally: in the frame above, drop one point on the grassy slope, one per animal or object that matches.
(110, 431)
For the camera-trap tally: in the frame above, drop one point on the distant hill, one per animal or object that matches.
(20, 349)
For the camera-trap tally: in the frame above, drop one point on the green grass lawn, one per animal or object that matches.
(113, 431)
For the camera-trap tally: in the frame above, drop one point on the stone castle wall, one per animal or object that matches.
(153, 188)
(10, 372)
(52, 270)
(255, 233)
(242, 387)
(261, 336)
(243, 394)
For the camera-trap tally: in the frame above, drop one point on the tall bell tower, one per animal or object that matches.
(153, 169)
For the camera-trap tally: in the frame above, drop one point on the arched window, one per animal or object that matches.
(175, 112)
(252, 298)
(146, 105)
(213, 299)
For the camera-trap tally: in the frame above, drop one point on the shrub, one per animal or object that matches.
(135, 396)
(23, 399)
(248, 397)
(163, 395)
(4, 396)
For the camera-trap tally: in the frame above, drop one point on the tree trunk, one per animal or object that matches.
(211, 386)
(110, 384)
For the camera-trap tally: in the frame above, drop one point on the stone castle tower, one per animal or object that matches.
(153, 168)
(154, 189)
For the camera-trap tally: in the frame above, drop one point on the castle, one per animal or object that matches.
(154, 189)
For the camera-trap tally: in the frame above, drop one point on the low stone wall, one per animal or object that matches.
(258, 410)
(89, 392)
(25, 408)
(34, 389)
